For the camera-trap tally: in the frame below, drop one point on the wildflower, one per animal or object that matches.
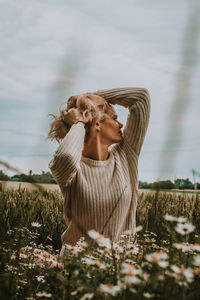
(161, 277)
(110, 289)
(184, 228)
(131, 248)
(117, 248)
(95, 235)
(13, 256)
(36, 224)
(23, 281)
(130, 269)
(30, 266)
(131, 273)
(196, 260)
(100, 239)
(42, 257)
(97, 262)
(79, 289)
(187, 273)
(87, 296)
(138, 228)
(182, 246)
(22, 255)
(40, 278)
(148, 240)
(82, 243)
(76, 249)
(158, 257)
(88, 261)
(44, 294)
(171, 218)
(148, 295)
(131, 278)
(195, 247)
(132, 290)
(145, 275)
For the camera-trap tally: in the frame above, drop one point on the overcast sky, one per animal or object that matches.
(53, 49)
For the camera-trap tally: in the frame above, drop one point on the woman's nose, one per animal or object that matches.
(120, 125)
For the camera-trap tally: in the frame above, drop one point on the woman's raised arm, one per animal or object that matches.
(137, 100)
(67, 157)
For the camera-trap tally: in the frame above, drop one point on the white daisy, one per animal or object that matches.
(182, 246)
(184, 229)
(36, 224)
(130, 269)
(196, 260)
(195, 247)
(87, 296)
(44, 294)
(40, 278)
(158, 257)
(148, 295)
(100, 239)
(138, 228)
(110, 289)
(186, 272)
(171, 218)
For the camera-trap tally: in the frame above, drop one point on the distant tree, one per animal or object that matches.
(181, 183)
(145, 185)
(3, 176)
(165, 184)
(15, 178)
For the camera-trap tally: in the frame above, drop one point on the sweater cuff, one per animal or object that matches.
(74, 138)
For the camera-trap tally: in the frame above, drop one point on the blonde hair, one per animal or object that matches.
(59, 128)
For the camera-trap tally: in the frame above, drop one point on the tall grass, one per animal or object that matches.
(159, 262)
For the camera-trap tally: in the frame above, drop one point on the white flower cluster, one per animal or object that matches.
(159, 258)
(100, 239)
(182, 227)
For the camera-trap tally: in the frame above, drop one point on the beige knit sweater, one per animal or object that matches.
(102, 195)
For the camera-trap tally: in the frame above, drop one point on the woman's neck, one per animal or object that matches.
(94, 149)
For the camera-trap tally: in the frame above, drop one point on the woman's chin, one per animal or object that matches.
(120, 139)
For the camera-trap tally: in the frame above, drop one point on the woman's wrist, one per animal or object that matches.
(80, 122)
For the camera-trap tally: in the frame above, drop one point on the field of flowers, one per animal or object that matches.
(162, 261)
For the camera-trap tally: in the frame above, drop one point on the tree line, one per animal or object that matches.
(47, 177)
(178, 183)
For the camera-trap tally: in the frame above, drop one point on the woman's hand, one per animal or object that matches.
(75, 115)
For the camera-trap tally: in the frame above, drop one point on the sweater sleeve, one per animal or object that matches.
(65, 162)
(137, 100)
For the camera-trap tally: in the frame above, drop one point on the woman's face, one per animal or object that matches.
(110, 129)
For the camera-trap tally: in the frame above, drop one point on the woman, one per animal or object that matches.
(99, 184)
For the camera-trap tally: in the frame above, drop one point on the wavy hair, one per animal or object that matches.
(59, 127)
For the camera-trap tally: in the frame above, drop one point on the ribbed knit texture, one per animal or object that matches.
(102, 195)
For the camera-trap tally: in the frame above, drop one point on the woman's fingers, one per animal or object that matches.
(85, 111)
(74, 115)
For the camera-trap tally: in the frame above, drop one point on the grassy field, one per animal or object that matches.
(51, 187)
(26, 185)
(162, 261)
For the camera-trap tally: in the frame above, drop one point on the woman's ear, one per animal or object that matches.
(97, 126)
